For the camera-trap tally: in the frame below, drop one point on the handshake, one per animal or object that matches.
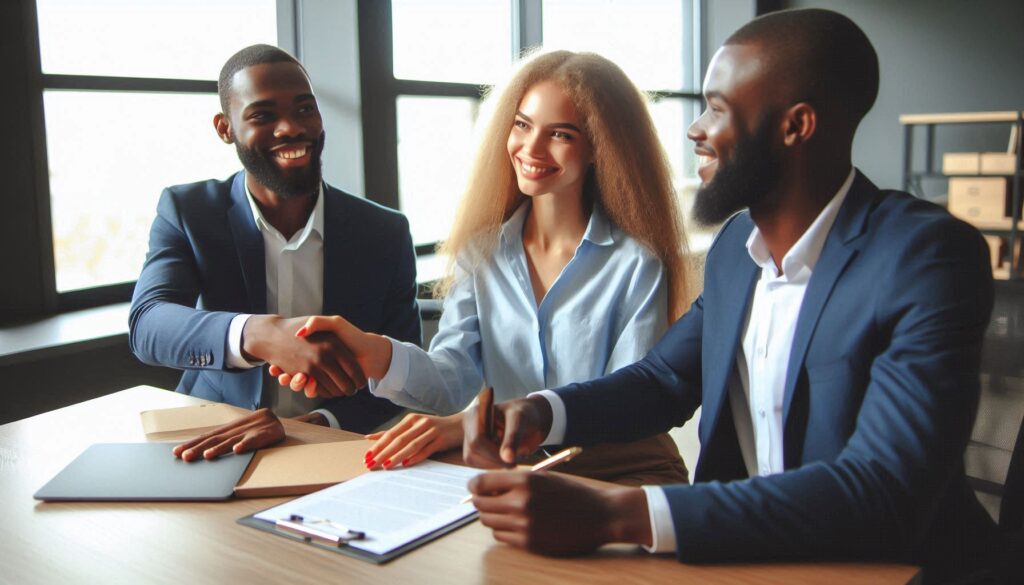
(325, 356)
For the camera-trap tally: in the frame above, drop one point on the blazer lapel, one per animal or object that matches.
(723, 324)
(339, 245)
(248, 245)
(840, 249)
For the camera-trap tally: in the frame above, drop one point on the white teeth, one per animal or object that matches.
(704, 159)
(290, 154)
(532, 169)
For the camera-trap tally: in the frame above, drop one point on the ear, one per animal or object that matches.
(799, 123)
(223, 128)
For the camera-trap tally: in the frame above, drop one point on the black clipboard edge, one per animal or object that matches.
(254, 522)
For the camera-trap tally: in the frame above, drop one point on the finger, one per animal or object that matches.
(284, 379)
(258, 439)
(350, 366)
(424, 445)
(374, 436)
(322, 323)
(196, 450)
(275, 370)
(414, 458)
(510, 442)
(298, 382)
(386, 437)
(516, 539)
(495, 482)
(389, 449)
(310, 389)
(503, 522)
(221, 448)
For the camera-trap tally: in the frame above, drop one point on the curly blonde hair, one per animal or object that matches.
(630, 178)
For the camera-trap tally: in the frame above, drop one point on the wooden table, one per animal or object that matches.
(201, 543)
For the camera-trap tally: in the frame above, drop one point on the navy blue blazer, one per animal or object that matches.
(206, 264)
(880, 396)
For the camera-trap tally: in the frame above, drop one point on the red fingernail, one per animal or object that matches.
(387, 463)
(405, 463)
(368, 456)
(301, 332)
(370, 464)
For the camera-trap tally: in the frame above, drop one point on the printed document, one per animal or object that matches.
(392, 507)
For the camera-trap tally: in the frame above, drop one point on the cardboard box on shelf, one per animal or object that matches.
(998, 163)
(978, 199)
(961, 163)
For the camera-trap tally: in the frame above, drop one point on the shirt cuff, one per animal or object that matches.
(331, 420)
(663, 527)
(393, 382)
(556, 436)
(234, 357)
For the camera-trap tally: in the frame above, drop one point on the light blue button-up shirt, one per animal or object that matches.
(604, 311)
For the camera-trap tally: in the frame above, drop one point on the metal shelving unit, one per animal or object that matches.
(912, 179)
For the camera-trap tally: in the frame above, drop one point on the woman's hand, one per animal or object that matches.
(412, 440)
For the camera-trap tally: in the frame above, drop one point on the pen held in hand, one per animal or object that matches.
(560, 457)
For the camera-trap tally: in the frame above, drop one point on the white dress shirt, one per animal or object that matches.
(295, 287)
(762, 360)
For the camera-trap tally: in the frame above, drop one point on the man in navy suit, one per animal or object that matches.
(835, 349)
(230, 261)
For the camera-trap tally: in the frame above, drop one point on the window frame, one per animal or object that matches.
(380, 89)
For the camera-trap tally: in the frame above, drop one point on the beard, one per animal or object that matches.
(287, 184)
(742, 181)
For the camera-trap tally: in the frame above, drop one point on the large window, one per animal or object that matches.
(425, 63)
(129, 94)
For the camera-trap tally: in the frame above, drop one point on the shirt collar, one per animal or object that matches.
(806, 251)
(599, 227)
(315, 223)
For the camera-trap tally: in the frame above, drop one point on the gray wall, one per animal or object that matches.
(936, 56)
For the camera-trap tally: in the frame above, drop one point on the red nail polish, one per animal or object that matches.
(370, 464)
(387, 464)
(405, 463)
(302, 332)
(368, 456)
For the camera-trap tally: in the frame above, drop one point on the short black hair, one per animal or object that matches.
(249, 57)
(822, 55)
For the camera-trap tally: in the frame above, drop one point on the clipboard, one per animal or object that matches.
(377, 516)
(254, 522)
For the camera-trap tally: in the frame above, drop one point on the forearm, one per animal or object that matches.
(169, 334)
(440, 382)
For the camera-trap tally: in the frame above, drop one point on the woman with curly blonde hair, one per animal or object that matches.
(566, 261)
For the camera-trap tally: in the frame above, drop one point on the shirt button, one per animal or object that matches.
(764, 470)
(762, 413)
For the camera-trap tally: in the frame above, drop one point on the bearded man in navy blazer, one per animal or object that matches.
(835, 349)
(230, 261)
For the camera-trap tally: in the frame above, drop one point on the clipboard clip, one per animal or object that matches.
(307, 529)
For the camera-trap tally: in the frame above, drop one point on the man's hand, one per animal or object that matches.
(519, 425)
(554, 515)
(370, 352)
(252, 431)
(320, 356)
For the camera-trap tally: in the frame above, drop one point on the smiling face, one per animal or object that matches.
(734, 136)
(547, 146)
(276, 128)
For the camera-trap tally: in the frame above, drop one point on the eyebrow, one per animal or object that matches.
(715, 95)
(565, 125)
(271, 103)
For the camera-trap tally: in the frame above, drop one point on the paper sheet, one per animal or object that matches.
(392, 507)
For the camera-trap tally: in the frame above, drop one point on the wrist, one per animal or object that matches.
(380, 353)
(542, 414)
(628, 518)
(255, 333)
